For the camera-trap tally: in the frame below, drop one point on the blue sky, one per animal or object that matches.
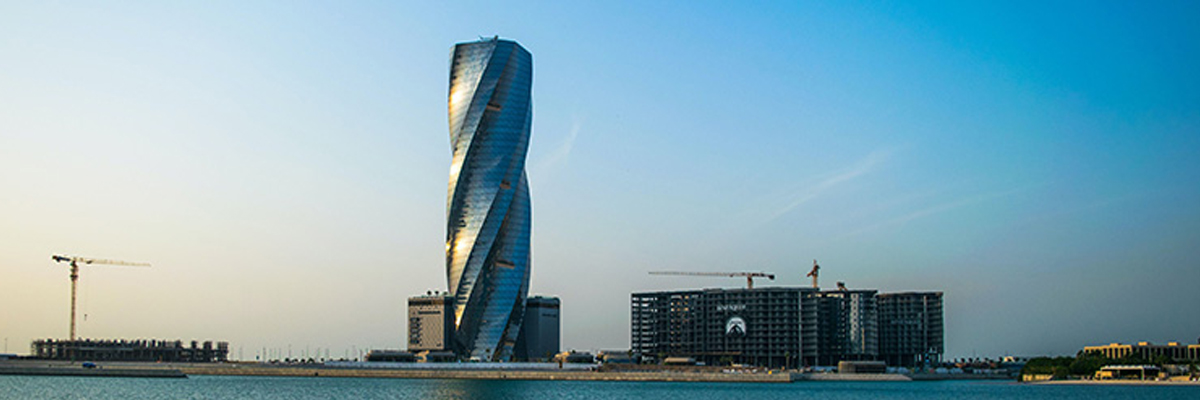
(284, 165)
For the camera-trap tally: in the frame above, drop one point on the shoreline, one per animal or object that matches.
(92, 372)
(1116, 382)
(481, 374)
(139, 369)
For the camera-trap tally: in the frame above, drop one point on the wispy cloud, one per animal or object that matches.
(860, 168)
(560, 154)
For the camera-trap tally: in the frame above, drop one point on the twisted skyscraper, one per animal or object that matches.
(487, 215)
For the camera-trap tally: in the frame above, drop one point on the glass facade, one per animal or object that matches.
(488, 212)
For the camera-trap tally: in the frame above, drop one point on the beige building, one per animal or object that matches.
(1147, 351)
(430, 323)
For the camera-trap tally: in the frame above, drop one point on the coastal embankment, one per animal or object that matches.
(486, 374)
(470, 371)
(1117, 382)
(851, 377)
(473, 371)
(76, 370)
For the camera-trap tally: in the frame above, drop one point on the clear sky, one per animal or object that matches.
(284, 165)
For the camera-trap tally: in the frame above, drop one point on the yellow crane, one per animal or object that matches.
(816, 270)
(749, 275)
(75, 261)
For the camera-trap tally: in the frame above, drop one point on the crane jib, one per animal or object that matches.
(75, 276)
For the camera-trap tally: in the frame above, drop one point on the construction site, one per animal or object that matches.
(130, 350)
(73, 349)
(786, 327)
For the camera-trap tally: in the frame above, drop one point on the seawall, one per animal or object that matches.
(483, 374)
(449, 371)
(97, 372)
(852, 377)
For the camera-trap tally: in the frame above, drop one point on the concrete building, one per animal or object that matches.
(787, 326)
(1148, 351)
(130, 350)
(430, 322)
(540, 330)
(774, 327)
(488, 218)
(848, 326)
(911, 331)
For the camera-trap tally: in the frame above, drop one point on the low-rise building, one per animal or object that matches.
(430, 322)
(436, 356)
(390, 356)
(575, 357)
(539, 337)
(130, 350)
(615, 357)
(1140, 372)
(861, 367)
(1147, 351)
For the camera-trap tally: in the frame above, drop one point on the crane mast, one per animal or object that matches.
(816, 269)
(75, 261)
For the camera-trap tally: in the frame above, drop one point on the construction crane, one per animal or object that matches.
(749, 275)
(815, 271)
(75, 261)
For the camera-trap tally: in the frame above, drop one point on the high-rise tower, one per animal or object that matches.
(487, 214)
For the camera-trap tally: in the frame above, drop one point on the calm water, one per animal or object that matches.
(224, 387)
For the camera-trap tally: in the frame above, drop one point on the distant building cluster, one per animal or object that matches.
(1173, 351)
(788, 326)
(130, 350)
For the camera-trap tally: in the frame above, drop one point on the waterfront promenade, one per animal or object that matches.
(471, 371)
(41, 369)
(466, 371)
